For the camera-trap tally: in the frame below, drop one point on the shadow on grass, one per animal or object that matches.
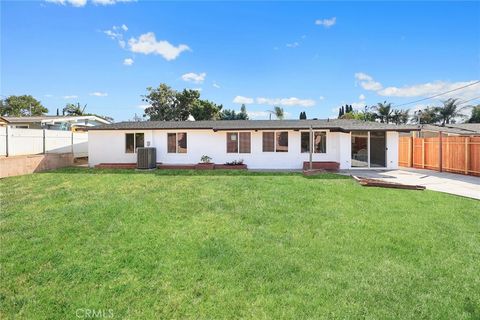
(209, 173)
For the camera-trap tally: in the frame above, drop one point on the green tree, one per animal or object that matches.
(166, 104)
(429, 115)
(400, 116)
(475, 117)
(303, 115)
(206, 110)
(449, 111)
(278, 112)
(22, 106)
(74, 109)
(229, 114)
(383, 111)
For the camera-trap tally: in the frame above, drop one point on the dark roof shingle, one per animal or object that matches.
(219, 125)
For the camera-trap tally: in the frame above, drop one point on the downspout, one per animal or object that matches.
(311, 147)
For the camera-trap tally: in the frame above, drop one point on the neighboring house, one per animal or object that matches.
(262, 144)
(74, 123)
(459, 129)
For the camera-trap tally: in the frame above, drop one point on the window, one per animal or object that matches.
(268, 142)
(275, 141)
(238, 142)
(177, 142)
(319, 142)
(134, 141)
(282, 141)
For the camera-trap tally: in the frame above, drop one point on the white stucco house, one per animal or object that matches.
(261, 144)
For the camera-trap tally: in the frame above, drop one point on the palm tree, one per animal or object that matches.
(383, 111)
(449, 111)
(400, 116)
(278, 112)
(74, 110)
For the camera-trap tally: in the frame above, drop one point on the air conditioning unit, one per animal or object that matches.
(146, 158)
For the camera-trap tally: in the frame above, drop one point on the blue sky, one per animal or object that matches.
(310, 56)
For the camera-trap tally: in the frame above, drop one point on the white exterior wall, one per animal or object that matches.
(109, 147)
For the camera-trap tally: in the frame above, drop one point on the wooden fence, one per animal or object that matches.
(459, 154)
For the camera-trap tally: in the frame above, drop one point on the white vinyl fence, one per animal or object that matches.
(15, 142)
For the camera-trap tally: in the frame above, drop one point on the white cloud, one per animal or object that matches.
(143, 106)
(327, 23)
(75, 3)
(82, 3)
(293, 45)
(216, 85)
(194, 77)
(116, 33)
(99, 94)
(361, 97)
(321, 98)
(128, 62)
(110, 2)
(242, 100)
(148, 44)
(433, 88)
(422, 89)
(70, 97)
(262, 115)
(286, 102)
(367, 82)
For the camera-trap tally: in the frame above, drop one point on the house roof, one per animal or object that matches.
(50, 118)
(460, 128)
(220, 125)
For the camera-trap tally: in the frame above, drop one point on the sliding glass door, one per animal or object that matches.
(359, 149)
(377, 149)
(368, 149)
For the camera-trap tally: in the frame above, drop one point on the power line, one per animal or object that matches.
(470, 100)
(439, 94)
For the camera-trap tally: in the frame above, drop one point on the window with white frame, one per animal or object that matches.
(275, 141)
(319, 142)
(134, 141)
(177, 142)
(238, 142)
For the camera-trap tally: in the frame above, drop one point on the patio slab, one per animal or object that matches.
(457, 184)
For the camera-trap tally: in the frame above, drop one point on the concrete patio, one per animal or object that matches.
(457, 184)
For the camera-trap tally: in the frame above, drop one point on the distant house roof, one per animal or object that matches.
(220, 125)
(460, 128)
(51, 119)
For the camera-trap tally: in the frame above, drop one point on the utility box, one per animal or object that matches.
(146, 158)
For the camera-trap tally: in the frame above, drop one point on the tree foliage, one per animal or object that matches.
(229, 114)
(277, 112)
(383, 111)
(303, 116)
(206, 110)
(21, 106)
(475, 117)
(449, 111)
(71, 109)
(167, 104)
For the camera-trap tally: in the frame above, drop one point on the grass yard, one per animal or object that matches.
(175, 244)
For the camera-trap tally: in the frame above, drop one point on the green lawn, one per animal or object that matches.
(175, 244)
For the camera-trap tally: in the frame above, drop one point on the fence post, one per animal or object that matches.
(43, 141)
(6, 140)
(410, 151)
(467, 154)
(423, 153)
(440, 151)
